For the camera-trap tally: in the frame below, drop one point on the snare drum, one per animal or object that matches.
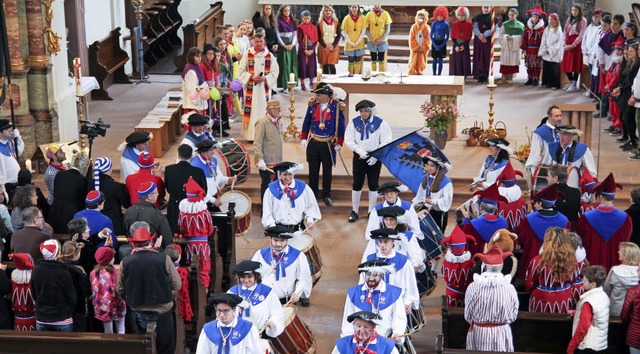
(432, 235)
(305, 244)
(296, 338)
(416, 320)
(426, 281)
(242, 218)
(233, 160)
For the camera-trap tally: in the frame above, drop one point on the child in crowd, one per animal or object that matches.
(622, 277)
(457, 267)
(461, 32)
(308, 41)
(591, 317)
(510, 37)
(581, 259)
(531, 44)
(630, 316)
(574, 30)
(107, 304)
(419, 43)
(21, 298)
(611, 81)
(184, 299)
(70, 256)
(439, 37)
(551, 49)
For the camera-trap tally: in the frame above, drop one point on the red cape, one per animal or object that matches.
(599, 251)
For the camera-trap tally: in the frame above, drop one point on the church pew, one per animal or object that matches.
(527, 331)
(199, 32)
(25, 342)
(106, 64)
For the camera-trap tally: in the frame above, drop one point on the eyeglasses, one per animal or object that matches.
(226, 311)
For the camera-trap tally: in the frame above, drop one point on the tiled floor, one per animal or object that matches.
(341, 243)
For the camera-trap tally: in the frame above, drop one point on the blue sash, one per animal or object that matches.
(278, 192)
(130, 154)
(547, 134)
(383, 345)
(383, 300)
(209, 171)
(281, 264)
(403, 204)
(398, 261)
(8, 150)
(580, 150)
(365, 129)
(258, 295)
(192, 137)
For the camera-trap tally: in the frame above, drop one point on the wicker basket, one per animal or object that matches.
(502, 132)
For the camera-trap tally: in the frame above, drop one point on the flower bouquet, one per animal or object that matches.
(439, 115)
(522, 152)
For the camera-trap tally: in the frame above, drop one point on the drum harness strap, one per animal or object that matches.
(560, 152)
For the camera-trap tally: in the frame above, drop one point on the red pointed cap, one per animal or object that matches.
(458, 241)
(141, 235)
(490, 195)
(537, 11)
(547, 196)
(23, 261)
(587, 182)
(607, 187)
(195, 193)
(508, 176)
(494, 256)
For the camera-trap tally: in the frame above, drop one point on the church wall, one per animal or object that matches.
(615, 7)
(98, 25)
(238, 10)
(63, 92)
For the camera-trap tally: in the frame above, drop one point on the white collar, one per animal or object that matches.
(251, 288)
(356, 341)
(452, 258)
(233, 323)
(285, 250)
(291, 186)
(391, 255)
(550, 125)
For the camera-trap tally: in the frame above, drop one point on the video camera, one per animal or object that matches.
(91, 129)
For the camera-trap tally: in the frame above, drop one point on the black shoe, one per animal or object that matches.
(611, 129)
(535, 81)
(273, 93)
(304, 301)
(636, 156)
(353, 216)
(529, 82)
(616, 132)
(630, 147)
(225, 133)
(328, 201)
(622, 140)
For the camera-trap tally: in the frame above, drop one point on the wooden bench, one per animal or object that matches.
(28, 342)
(198, 33)
(106, 64)
(528, 330)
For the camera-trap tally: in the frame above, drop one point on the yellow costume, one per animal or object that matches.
(233, 49)
(354, 41)
(376, 27)
(419, 43)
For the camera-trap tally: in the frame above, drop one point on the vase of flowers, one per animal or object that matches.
(438, 115)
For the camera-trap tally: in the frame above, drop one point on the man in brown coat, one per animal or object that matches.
(268, 143)
(29, 238)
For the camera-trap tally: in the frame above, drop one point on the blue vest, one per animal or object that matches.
(383, 345)
(581, 149)
(540, 223)
(278, 192)
(192, 137)
(209, 171)
(403, 204)
(281, 264)
(547, 134)
(238, 333)
(486, 228)
(398, 261)
(255, 297)
(8, 149)
(130, 154)
(606, 223)
(489, 165)
(430, 181)
(371, 126)
(382, 300)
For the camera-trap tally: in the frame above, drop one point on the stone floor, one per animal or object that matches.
(341, 243)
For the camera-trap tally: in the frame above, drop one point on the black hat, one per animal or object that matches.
(207, 47)
(384, 232)
(391, 186)
(278, 231)
(286, 166)
(428, 155)
(246, 267)
(364, 315)
(5, 124)
(364, 104)
(375, 266)
(323, 89)
(139, 137)
(391, 211)
(500, 143)
(205, 145)
(568, 129)
(232, 300)
(197, 119)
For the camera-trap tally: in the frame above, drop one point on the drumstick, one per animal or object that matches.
(234, 182)
(402, 335)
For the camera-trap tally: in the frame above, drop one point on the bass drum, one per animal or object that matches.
(416, 320)
(432, 236)
(233, 160)
(539, 177)
(305, 244)
(242, 219)
(296, 338)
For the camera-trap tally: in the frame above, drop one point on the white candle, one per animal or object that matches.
(492, 80)
(292, 77)
(28, 165)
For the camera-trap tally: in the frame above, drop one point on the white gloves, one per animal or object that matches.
(372, 161)
(303, 142)
(262, 166)
(362, 152)
(16, 133)
(337, 147)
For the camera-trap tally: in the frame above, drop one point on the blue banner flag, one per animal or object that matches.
(402, 158)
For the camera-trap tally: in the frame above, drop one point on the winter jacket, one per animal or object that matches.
(630, 316)
(620, 279)
(145, 211)
(53, 291)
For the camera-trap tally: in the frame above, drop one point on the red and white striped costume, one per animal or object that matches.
(21, 298)
(548, 294)
(514, 208)
(457, 267)
(196, 226)
(491, 306)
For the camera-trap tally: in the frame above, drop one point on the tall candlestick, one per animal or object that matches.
(492, 80)
(78, 75)
(292, 77)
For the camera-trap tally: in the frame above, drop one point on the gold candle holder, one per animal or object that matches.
(490, 132)
(292, 131)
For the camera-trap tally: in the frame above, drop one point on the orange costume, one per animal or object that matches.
(420, 43)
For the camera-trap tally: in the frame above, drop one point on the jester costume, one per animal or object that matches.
(21, 298)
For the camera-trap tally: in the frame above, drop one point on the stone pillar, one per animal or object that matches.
(40, 89)
(19, 89)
